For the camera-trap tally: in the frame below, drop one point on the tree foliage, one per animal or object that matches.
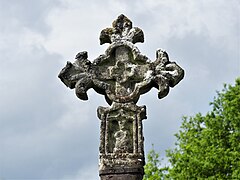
(208, 147)
(152, 168)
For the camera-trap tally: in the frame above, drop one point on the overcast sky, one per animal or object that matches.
(45, 131)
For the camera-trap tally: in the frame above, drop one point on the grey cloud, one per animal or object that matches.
(30, 14)
(33, 145)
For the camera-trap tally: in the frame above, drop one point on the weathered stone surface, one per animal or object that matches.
(121, 74)
(121, 140)
(116, 176)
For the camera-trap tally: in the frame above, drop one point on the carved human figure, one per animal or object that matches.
(122, 136)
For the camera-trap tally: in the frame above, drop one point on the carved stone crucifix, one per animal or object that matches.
(122, 74)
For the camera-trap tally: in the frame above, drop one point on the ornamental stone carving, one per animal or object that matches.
(121, 74)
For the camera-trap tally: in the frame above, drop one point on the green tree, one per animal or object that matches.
(208, 147)
(152, 169)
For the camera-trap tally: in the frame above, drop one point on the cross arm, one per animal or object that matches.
(76, 75)
(167, 73)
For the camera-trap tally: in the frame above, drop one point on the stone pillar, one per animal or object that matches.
(121, 143)
(121, 74)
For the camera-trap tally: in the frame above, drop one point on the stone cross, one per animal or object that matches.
(121, 74)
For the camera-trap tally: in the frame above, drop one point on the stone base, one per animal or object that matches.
(122, 174)
(122, 177)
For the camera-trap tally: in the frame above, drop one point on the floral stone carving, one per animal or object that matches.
(121, 74)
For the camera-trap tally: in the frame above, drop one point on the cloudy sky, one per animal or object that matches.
(45, 131)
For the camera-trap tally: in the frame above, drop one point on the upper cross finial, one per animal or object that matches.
(121, 30)
(122, 73)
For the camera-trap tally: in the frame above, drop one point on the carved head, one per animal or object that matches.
(122, 124)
